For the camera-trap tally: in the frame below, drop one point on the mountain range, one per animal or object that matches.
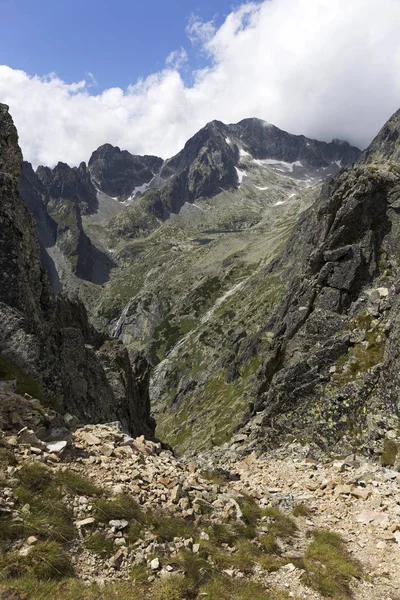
(254, 271)
(199, 369)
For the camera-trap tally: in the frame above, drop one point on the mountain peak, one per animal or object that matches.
(386, 145)
(117, 172)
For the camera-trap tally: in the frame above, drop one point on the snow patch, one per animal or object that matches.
(140, 189)
(261, 188)
(228, 140)
(240, 175)
(279, 165)
(338, 163)
(279, 202)
(243, 152)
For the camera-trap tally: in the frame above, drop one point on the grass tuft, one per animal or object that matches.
(174, 587)
(389, 455)
(224, 588)
(166, 527)
(46, 560)
(280, 525)
(99, 544)
(329, 566)
(122, 506)
(7, 458)
(35, 477)
(76, 484)
(301, 510)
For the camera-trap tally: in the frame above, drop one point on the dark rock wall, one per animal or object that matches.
(333, 361)
(49, 341)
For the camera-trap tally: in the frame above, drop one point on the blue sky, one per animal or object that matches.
(315, 67)
(118, 41)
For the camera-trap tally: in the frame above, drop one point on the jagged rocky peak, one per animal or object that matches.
(209, 138)
(69, 183)
(262, 141)
(265, 141)
(386, 145)
(57, 198)
(21, 284)
(10, 153)
(118, 173)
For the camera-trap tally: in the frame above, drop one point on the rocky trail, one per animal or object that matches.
(136, 517)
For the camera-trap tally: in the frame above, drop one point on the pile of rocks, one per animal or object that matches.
(153, 475)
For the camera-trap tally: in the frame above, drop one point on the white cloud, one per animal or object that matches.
(198, 31)
(322, 68)
(177, 59)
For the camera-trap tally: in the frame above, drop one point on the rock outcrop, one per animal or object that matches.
(57, 199)
(47, 345)
(118, 173)
(386, 145)
(330, 375)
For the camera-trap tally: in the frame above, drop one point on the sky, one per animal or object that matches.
(147, 75)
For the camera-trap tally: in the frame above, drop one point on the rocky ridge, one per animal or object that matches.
(47, 346)
(210, 162)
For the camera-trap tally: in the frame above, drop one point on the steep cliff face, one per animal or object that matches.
(57, 198)
(73, 184)
(386, 145)
(46, 344)
(118, 173)
(331, 373)
(265, 141)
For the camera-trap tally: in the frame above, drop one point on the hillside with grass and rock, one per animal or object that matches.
(199, 370)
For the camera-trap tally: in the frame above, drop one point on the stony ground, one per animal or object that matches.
(127, 511)
(357, 499)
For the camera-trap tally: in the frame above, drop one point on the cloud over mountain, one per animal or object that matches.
(322, 68)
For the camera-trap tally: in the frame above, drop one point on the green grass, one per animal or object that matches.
(301, 510)
(76, 483)
(166, 527)
(230, 533)
(49, 518)
(35, 477)
(279, 524)
(7, 458)
(224, 588)
(175, 587)
(329, 566)
(195, 568)
(99, 544)
(252, 512)
(46, 560)
(122, 506)
(389, 454)
(134, 531)
(25, 383)
(30, 588)
(269, 544)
